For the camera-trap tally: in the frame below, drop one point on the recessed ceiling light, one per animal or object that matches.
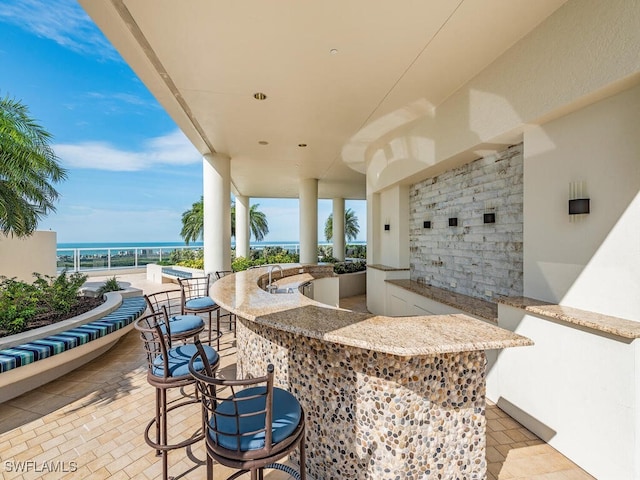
(263, 142)
(259, 96)
(333, 51)
(302, 145)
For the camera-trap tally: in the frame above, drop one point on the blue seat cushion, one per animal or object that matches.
(286, 417)
(179, 360)
(200, 303)
(183, 323)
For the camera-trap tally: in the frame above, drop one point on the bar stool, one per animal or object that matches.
(232, 316)
(196, 300)
(248, 424)
(169, 367)
(181, 327)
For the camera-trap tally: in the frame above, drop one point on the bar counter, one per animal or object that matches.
(384, 397)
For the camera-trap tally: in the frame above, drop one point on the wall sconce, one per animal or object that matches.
(387, 227)
(453, 221)
(489, 212)
(489, 217)
(578, 199)
(426, 224)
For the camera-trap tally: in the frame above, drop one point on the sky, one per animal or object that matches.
(131, 171)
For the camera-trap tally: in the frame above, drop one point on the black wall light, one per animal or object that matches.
(578, 206)
(453, 221)
(387, 227)
(578, 198)
(489, 217)
(426, 224)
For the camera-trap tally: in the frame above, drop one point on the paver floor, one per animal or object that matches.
(90, 423)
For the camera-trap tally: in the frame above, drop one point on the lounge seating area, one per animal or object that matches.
(33, 358)
(90, 424)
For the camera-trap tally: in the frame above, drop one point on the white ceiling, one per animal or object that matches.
(204, 60)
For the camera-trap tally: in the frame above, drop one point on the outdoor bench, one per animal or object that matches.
(40, 359)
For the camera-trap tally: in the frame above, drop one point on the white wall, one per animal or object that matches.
(576, 389)
(21, 257)
(394, 243)
(593, 262)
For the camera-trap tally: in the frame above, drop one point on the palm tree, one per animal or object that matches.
(258, 223)
(28, 168)
(193, 222)
(351, 227)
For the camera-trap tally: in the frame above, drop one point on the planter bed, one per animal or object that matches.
(35, 357)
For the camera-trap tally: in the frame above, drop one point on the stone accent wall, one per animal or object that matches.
(473, 258)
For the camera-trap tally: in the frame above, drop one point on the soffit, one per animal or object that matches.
(204, 60)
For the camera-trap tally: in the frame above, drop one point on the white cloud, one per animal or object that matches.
(171, 149)
(62, 21)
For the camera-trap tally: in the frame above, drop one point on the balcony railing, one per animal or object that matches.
(121, 258)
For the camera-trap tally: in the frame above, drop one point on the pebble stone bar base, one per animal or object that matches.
(372, 415)
(384, 397)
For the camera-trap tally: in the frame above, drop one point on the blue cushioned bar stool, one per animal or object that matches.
(181, 327)
(248, 424)
(232, 316)
(196, 300)
(169, 367)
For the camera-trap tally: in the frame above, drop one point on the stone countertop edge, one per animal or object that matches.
(474, 306)
(620, 327)
(402, 336)
(386, 268)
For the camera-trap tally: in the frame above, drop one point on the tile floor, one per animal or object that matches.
(90, 423)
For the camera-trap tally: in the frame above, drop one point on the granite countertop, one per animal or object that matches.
(596, 321)
(241, 294)
(386, 268)
(474, 306)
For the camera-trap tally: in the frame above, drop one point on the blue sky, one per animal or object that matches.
(131, 170)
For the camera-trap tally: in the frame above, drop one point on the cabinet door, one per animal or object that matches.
(397, 306)
(418, 310)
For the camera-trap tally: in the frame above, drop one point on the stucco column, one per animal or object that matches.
(309, 220)
(338, 228)
(242, 226)
(216, 177)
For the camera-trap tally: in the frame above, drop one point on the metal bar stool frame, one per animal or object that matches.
(232, 316)
(156, 344)
(197, 288)
(214, 393)
(172, 301)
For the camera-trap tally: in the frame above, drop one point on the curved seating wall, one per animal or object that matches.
(32, 363)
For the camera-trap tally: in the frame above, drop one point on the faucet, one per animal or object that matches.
(271, 286)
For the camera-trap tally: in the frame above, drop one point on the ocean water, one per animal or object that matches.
(95, 248)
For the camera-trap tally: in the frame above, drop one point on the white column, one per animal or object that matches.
(216, 177)
(309, 220)
(338, 228)
(242, 226)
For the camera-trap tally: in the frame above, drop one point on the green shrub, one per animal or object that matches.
(240, 264)
(110, 285)
(59, 294)
(195, 263)
(18, 304)
(349, 267)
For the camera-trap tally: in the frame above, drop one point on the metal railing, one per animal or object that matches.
(94, 258)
